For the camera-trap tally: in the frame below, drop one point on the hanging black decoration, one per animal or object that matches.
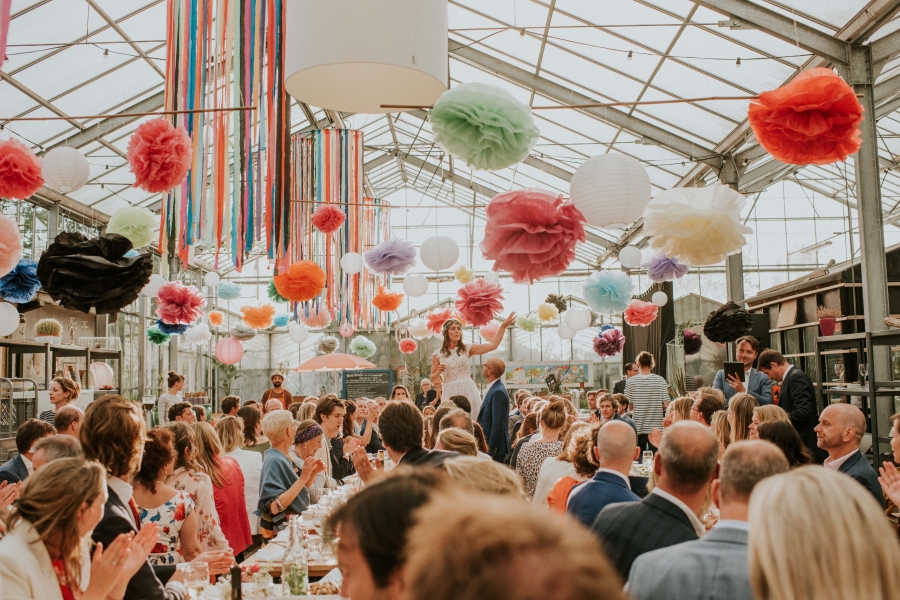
(727, 324)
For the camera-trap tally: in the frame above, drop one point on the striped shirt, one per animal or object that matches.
(647, 394)
(48, 416)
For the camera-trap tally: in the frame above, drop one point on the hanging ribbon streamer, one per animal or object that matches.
(5, 15)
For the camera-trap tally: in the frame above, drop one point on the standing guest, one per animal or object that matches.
(230, 432)
(755, 383)
(68, 419)
(615, 451)
(546, 444)
(330, 415)
(307, 443)
(708, 402)
(517, 414)
(461, 402)
(457, 440)
(649, 395)
(427, 397)
(486, 476)
(764, 414)
(183, 412)
(362, 421)
(173, 396)
(199, 413)
(783, 435)
(797, 396)
(54, 447)
(19, 467)
(230, 406)
(609, 411)
(721, 428)
(494, 414)
(630, 370)
(277, 392)
(718, 559)
(526, 432)
(740, 415)
(582, 462)
(62, 392)
(253, 438)
(399, 392)
(163, 505)
(838, 547)
(840, 430)
(556, 467)
(684, 466)
(624, 404)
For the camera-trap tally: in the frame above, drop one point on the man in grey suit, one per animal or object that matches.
(715, 567)
(755, 383)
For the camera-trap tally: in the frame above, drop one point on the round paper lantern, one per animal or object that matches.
(659, 298)
(415, 285)
(211, 279)
(9, 319)
(152, 287)
(347, 329)
(298, 332)
(65, 170)
(229, 350)
(439, 253)
(610, 190)
(492, 276)
(352, 263)
(102, 374)
(577, 318)
(328, 66)
(630, 257)
(565, 332)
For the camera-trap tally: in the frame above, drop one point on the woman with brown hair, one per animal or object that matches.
(526, 432)
(554, 423)
(171, 397)
(349, 428)
(740, 415)
(559, 466)
(253, 437)
(399, 392)
(62, 392)
(721, 428)
(785, 436)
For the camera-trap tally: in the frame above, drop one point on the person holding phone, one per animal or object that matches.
(754, 383)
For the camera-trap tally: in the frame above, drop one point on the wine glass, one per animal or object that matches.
(196, 578)
(839, 371)
(863, 370)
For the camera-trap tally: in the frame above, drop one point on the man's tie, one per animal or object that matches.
(134, 512)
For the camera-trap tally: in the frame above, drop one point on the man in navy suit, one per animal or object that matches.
(494, 413)
(616, 449)
(18, 468)
(797, 397)
(755, 383)
(840, 430)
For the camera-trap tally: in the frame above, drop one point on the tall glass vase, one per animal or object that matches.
(295, 569)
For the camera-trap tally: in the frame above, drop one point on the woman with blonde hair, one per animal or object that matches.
(554, 423)
(554, 468)
(740, 413)
(484, 476)
(454, 439)
(306, 411)
(764, 414)
(721, 428)
(231, 434)
(62, 391)
(839, 544)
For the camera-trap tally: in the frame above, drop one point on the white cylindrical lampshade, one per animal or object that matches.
(352, 263)
(578, 318)
(211, 279)
(373, 54)
(565, 332)
(65, 169)
(102, 374)
(439, 253)
(610, 190)
(659, 298)
(9, 319)
(415, 285)
(630, 257)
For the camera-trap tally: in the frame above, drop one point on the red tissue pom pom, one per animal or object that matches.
(159, 155)
(328, 218)
(435, 319)
(531, 233)
(304, 280)
(387, 301)
(20, 170)
(479, 301)
(408, 345)
(641, 313)
(178, 304)
(813, 119)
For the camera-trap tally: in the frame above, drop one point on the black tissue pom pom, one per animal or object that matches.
(692, 342)
(727, 324)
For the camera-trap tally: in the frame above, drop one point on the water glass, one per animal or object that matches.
(648, 458)
(314, 543)
(319, 518)
(196, 578)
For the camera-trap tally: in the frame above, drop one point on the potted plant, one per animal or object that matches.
(827, 319)
(48, 331)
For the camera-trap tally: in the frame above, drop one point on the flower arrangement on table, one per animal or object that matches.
(256, 582)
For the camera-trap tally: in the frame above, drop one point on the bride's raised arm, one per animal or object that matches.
(476, 349)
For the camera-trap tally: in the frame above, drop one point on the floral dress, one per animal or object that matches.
(169, 517)
(457, 379)
(198, 486)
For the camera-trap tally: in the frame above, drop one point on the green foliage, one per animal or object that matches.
(226, 374)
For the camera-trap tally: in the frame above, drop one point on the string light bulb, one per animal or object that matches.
(630, 55)
(737, 63)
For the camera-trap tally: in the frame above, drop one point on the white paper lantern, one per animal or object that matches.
(211, 279)
(659, 298)
(9, 319)
(630, 257)
(610, 190)
(577, 318)
(415, 285)
(492, 276)
(298, 332)
(152, 287)
(565, 332)
(439, 253)
(352, 263)
(102, 374)
(65, 169)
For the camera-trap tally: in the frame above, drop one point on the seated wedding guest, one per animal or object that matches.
(458, 440)
(68, 420)
(608, 406)
(461, 419)
(840, 431)
(462, 402)
(502, 550)
(330, 415)
(307, 443)
(616, 449)
(715, 566)
(362, 421)
(188, 477)
(740, 415)
(765, 414)
(230, 432)
(183, 412)
(273, 404)
(624, 405)
(399, 392)
(230, 406)
(19, 467)
(62, 392)
(46, 553)
(890, 476)
(311, 400)
(678, 410)
(228, 486)
(294, 408)
(486, 476)
(708, 402)
(527, 431)
(251, 403)
(253, 438)
(428, 411)
(441, 412)
(164, 506)
(479, 437)
(721, 429)
(282, 492)
(53, 448)
(839, 545)
(684, 466)
(783, 435)
(517, 414)
(544, 445)
(350, 427)
(306, 411)
(585, 468)
(555, 467)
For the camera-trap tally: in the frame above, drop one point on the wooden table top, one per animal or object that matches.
(317, 568)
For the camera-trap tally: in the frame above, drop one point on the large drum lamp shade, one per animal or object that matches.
(610, 190)
(367, 54)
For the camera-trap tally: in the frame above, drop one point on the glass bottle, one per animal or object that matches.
(294, 569)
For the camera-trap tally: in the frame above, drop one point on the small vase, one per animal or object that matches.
(826, 325)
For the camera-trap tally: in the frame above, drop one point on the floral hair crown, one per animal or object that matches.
(450, 322)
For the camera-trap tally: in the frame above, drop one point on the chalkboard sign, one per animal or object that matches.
(368, 383)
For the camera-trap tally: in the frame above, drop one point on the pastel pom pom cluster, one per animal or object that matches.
(216, 317)
(156, 336)
(228, 290)
(20, 170)
(640, 313)
(316, 318)
(10, 245)
(393, 256)
(178, 304)
(479, 301)
(328, 218)
(159, 155)
(464, 274)
(273, 294)
(528, 323)
(662, 268)
(547, 311)
(608, 292)
(437, 318)
(135, 223)
(171, 329)
(609, 343)
(258, 317)
(303, 280)
(327, 344)
(489, 332)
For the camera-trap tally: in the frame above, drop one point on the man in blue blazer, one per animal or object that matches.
(18, 468)
(494, 413)
(616, 449)
(755, 383)
(839, 432)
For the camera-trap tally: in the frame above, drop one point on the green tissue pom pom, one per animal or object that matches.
(362, 346)
(156, 336)
(274, 296)
(528, 323)
(483, 125)
(135, 223)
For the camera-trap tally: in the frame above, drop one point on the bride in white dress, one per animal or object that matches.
(452, 362)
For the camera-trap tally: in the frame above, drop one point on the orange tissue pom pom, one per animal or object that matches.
(258, 317)
(387, 301)
(304, 280)
(216, 317)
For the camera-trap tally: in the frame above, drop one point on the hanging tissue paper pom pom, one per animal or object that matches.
(216, 317)
(179, 304)
(558, 301)
(303, 280)
(662, 268)
(547, 311)
(531, 233)
(328, 218)
(609, 343)
(408, 345)
(20, 170)
(258, 317)
(698, 226)
(156, 336)
(640, 313)
(394, 256)
(437, 318)
(22, 283)
(317, 317)
(228, 290)
(489, 331)
(347, 329)
(479, 301)
(606, 327)
(273, 294)
(608, 292)
(159, 155)
(727, 324)
(362, 346)
(326, 344)
(813, 119)
(10, 245)
(483, 125)
(387, 301)
(464, 274)
(198, 334)
(528, 323)
(418, 328)
(171, 329)
(692, 342)
(281, 320)
(135, 223)
(243, 332)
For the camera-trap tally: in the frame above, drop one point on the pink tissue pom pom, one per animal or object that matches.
(10, 245)
(178, 304)
(159, 155)
(609, 343)
(641, 313)
(408, 345)
(435, 319)
(328, 218)
(479, 301)
(489, 331)
(317, 318)
(20, 170)
(347, 329)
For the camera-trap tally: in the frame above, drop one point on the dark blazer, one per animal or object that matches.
(858, 467)
(798, 399)
(619, 387)
(514, 458)
(423, 400)
(14, 470)
(429, 458)
(374, 444)
(494, 420)
(514, 418)
(634, 528)
(341, 466)
(589, 498)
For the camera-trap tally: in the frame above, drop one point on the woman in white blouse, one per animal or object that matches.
(231, 433)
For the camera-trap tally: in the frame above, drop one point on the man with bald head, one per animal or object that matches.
(68, 420)
(273, 404)
(839, 433)
(615, 451)
(684, 467)
(494, 413)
